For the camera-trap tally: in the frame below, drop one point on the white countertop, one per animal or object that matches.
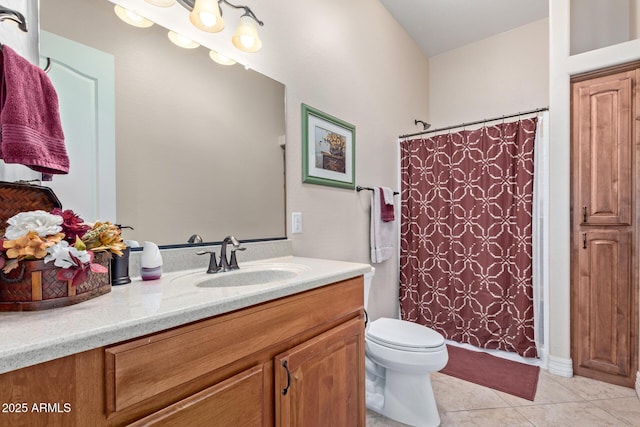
(144, 307)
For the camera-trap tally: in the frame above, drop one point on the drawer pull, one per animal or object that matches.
(584, 214)
(286, 368)
(584, 240)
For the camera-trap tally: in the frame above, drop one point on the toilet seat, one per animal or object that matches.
(403, 335)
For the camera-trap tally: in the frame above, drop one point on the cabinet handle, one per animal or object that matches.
(286, 368)
(584, 214)
(584, 240)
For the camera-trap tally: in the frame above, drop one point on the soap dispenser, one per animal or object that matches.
(150, 262)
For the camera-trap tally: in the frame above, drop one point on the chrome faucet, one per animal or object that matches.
(224, 265)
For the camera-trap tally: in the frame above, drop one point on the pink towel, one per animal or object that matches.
(386, 209)
(30, 129)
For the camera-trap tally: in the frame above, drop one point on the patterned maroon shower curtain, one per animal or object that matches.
(465, 259)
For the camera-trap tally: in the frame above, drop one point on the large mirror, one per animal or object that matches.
(199, 146)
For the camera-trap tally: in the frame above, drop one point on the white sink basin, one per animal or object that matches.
(259, 274)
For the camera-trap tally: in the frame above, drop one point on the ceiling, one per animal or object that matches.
(442, 25)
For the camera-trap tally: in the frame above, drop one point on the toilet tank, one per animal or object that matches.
(368, 277)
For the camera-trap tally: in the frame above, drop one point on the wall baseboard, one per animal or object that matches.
(638, 384)
(560, 366)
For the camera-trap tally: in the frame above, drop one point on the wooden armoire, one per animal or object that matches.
(605, 139)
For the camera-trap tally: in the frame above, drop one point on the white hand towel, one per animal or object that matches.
(388, 195)
(381, 232)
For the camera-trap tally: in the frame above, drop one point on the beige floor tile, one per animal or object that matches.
(572, 414)
(501, 417)
(626, 409)
(589, 389)
(453, 394)
(548, 391)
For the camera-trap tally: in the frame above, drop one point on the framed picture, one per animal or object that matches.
(328, 149)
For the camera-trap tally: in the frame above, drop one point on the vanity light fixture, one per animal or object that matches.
(132, 18)
(220, 58)
(246, 37)
(182, 41)
(206, 15)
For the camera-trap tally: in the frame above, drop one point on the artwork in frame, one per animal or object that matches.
(328, 149)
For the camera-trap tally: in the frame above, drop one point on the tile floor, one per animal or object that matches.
(577, 401)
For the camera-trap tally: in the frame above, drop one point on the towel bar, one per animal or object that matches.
(359, 188)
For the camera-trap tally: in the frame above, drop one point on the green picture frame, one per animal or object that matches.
(328, 150)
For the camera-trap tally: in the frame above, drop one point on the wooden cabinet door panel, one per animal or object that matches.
(237, 401)
(323, 382)
(603, 297)
(602, 126)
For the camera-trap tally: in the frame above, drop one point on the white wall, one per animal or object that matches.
(500, 75)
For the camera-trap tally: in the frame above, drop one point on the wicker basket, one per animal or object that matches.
(34, 286)
(16, 197)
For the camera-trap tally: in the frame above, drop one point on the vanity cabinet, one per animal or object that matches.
(221, 371)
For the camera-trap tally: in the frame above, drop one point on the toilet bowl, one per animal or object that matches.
(400, 357)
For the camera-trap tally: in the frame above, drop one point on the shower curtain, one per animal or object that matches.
(465, 250)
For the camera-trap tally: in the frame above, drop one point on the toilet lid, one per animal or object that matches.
(400, 333)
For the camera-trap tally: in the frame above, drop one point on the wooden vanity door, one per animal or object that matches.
(321, 382)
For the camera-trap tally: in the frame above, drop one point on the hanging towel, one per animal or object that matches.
(386, 207)
(381, 231)
(30, 129)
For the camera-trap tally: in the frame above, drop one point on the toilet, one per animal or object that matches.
(400, 357)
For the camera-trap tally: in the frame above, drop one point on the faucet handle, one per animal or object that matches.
(213, 263)
(234, 261)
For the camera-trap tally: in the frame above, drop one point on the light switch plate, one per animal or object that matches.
(296, 222)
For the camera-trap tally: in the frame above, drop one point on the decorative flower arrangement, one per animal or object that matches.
(59, 236)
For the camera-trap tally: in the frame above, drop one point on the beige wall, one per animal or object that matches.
(500, 75)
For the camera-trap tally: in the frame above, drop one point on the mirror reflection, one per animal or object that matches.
(199, 146)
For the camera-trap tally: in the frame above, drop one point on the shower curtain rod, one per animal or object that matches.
(537, 110)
